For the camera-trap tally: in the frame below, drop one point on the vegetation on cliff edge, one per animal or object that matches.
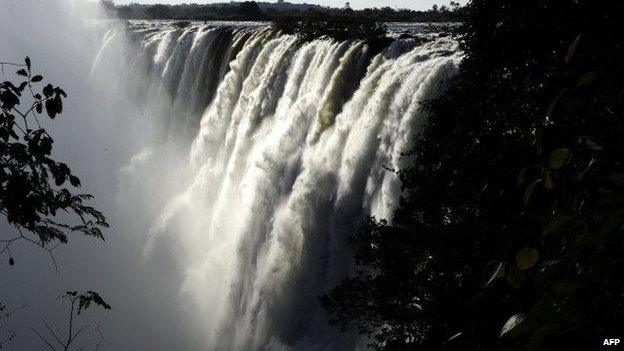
(510, 235)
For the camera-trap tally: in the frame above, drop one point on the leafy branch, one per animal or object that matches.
(35, 195)
(78, 303)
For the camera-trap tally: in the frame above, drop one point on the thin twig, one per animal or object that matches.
(58, 339)
(10, 64)
(71, 322)
(42, 338)
(78, 333)
(101, 341)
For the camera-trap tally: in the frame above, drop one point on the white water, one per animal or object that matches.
(249, 158)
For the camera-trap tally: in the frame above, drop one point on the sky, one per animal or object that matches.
(356, 4)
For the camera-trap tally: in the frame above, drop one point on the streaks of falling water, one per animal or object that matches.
(287, 144)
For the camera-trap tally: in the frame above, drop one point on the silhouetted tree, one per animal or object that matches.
(510, 235)
(36, 196)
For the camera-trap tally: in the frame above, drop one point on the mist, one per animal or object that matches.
(97, 135)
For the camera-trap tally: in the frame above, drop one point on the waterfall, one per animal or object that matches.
(290, 146)
(249, 158)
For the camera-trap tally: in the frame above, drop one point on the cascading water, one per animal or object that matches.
(254, 157)
(289, 144)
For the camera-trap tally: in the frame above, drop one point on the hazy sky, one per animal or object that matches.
(357, 4)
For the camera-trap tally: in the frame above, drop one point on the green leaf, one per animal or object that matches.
(572, 49)
(587, 79)
(526, 258)
(556, 225)
(528, 193)
(553, 104)
(558, 158)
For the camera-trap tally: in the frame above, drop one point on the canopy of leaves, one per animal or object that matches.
(35, 190)
(510, 236)
(343, 26)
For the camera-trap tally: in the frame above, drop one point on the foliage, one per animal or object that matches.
(85, 300)
(78, 303)
(159, 11)
(35, 195)
(267, 11)
(510, 235)
(35, 191)
(344, 26)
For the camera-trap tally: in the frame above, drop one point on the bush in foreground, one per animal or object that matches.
(510, 237)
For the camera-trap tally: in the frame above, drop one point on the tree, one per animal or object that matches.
(35, 195)
(158, 11)
(515, 205)
(344, 26)
(250, 9)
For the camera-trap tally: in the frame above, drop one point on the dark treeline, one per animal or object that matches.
(510, 236)
(341, 26)
(264, 11)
